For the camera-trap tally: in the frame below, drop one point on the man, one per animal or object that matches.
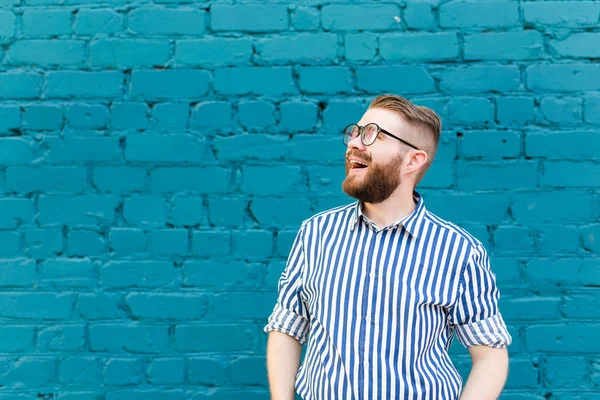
(379, 287)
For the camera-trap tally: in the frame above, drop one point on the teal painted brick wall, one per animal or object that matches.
(157, 158)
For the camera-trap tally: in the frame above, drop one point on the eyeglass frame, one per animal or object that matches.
(379, 130)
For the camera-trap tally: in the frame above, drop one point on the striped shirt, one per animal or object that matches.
(380, 307)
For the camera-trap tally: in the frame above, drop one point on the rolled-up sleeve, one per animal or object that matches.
(290, 314)
(475, 316)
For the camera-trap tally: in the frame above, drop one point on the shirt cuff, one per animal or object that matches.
(288, 322)
(490, 332)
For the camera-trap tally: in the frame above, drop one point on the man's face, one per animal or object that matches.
(381, 176)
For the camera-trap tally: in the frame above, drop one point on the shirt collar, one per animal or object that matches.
(411, 222)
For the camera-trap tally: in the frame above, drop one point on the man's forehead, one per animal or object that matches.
(386, 119)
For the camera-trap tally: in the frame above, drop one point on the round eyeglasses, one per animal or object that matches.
(368, 134)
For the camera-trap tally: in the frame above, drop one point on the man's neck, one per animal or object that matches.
(400, 204)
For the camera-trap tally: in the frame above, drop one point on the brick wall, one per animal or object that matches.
(157, 158)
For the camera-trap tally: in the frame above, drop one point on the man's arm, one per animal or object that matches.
(283, 360)
(488, 373)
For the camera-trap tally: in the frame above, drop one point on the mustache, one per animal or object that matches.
(358, 154)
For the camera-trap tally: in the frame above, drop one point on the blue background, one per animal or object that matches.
(158, 157)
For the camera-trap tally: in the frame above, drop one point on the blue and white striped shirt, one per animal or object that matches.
(379, 307)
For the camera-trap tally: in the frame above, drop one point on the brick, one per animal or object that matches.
(7, 24)
(563, 77)
(79, 370)
(249, 17)
(480, 14)
(61, 338)
(251, 146)
(326, 180)
(505, 175)
(190, 179)
(419, 15)
(470, 111)
(213, 52)
(252, 244)
(19, 272)
(14, 212)
(278, 211)
(342, 17)
(304, 47)
(145, 210)
(481, 79)
(46, 179)
(214, 115)
(135, 338)
(10, 243)
(514, 240)
(269, 81)
(166, 371)
(79, 210)
(441, 175)
(211, 243)
(306, 19)
(15, 151)
(85, 243)
(399, 79)
(68, 273)
(39, 22)
(232, 394)
(82, 149)
(225, 211)
(491, 144)
(132, 53)
(187, 211)
(316, 148)
(514, 111)
(459, 207)
(507, 270)
(577, 45)
(10, 118)
(531, 308)
(169, 242)
(273, 180)
(591, 109)
(523, 374)
(123, 371)
(571, 174)
(37, 305)
(16, 338)
(558, 240)
(143, 274)
(240, 338)
(129, 116)
(526, 208)
(170, 116)
(566, 110)
(528, 45)
(285, 241)
(84, 85)
(577, 306)
(119, 179)
(175, 306)
(167, 21)
(589, 234)
(127, 241)
(248, 371)
(360, 47)
(328, 80)
(256, 114)
(47, 53)
(223, 275)
(562, 145)
(20, 85)
(43, 117)
(560, 14)
(575, 338)
(242, 306)
(98, 21)
(99, 305)
(420, 46)
(298, 116)
(175, 148)
(565, 372)
(29, 371)
(87, 116)
(169, 84)
(208, 371)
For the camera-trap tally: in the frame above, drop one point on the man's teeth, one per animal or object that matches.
(357, 163)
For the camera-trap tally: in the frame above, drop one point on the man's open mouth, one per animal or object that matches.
(357, 164)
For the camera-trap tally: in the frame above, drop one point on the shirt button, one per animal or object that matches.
(368, 319)
(372, 275)
(366, 364)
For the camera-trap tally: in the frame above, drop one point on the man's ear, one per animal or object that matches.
(415, 160)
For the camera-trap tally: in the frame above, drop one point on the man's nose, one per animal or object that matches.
(356, 143)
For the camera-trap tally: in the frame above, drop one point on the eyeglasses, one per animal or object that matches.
(368, 134)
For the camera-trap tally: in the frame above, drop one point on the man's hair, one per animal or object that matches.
(426, 123)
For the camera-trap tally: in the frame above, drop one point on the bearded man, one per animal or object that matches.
(378, 288)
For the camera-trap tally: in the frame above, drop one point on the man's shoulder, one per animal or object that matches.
(343, 211)
(452, 228)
